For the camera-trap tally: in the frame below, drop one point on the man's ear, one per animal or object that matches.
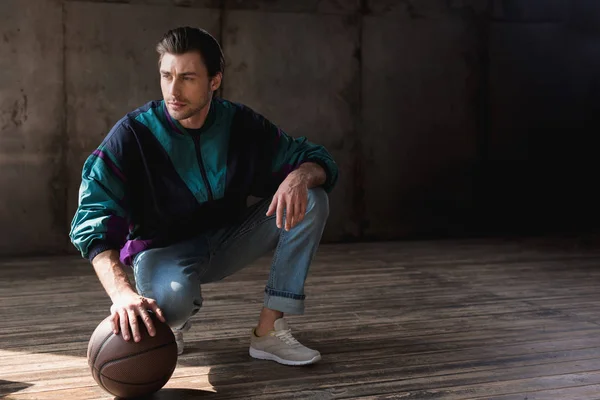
(215, 82)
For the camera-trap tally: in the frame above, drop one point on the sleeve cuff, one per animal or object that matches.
(330, 177)
(98, 247)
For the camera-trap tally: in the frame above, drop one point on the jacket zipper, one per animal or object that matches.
(201, 165)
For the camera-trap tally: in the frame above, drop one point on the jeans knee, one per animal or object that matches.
(318, 203)
(175, 288)
(178, 301)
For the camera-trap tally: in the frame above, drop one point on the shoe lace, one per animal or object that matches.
(286, 336)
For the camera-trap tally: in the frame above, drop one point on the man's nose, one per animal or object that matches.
(174, 88)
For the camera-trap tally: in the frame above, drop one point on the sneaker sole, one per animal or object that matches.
(263, 355)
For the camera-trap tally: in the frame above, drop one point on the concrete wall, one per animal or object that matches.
(32, 128)
(442, 114)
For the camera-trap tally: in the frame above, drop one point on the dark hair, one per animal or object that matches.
(183, 39)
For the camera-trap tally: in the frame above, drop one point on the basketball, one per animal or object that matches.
(128, 369)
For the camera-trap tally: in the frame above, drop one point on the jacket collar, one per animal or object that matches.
(178, 128)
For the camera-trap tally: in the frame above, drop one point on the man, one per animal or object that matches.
(165, 193)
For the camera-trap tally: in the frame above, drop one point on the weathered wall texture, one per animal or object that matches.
(32, 139)
(447, 117)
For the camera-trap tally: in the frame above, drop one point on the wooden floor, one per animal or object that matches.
(481, 319)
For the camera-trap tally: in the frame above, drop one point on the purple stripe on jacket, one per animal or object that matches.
(277, 139)
(113, 167)
(116, 229)
(132, 248)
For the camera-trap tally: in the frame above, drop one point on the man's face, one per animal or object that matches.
(186, 86)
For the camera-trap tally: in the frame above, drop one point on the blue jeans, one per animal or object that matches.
(173, 275)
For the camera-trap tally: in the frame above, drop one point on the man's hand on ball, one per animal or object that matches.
(124, 313)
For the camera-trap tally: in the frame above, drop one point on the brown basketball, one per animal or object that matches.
(129, 369)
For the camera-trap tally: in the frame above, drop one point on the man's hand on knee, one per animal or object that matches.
(125, 310)
(292, 196)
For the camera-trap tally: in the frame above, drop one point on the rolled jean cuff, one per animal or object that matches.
(285, 302)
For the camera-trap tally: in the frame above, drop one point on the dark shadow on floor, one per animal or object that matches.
(9, 387)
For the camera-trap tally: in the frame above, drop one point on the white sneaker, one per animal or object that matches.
(179, 335)
(279, 345)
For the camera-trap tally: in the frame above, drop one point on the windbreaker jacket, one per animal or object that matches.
(151, 182)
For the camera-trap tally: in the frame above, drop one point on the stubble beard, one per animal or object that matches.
(185, 114)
